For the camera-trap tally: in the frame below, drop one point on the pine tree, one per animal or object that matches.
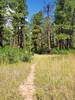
(8, 27)
(60, 17)
(64, 20)
(37, 32)
(48, 31)
(19, 21)
(46, 40)
(71, 18)
(73, 27)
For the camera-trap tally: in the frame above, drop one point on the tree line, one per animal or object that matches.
(42, 34)
(15, 37)
(59, 33)
(15, 12)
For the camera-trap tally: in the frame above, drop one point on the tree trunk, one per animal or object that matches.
(1, 36)
(20, 37)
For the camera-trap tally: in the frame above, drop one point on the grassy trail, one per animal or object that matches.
(27, 89)
(52, 78)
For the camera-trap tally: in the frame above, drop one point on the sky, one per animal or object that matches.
(37, 5)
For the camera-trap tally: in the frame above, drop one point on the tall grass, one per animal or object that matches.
(55, 77)
(62, 51)
(11, 76)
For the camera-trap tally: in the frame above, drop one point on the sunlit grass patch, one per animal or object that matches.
(55, 77)
(11, 76)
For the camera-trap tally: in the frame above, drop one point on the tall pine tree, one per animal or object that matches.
(19, 21)
(37, 32)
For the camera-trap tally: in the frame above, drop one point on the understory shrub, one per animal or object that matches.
(13, 55)
(62, 51)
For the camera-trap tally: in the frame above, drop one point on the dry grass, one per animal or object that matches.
(55, 77)
(11, 76)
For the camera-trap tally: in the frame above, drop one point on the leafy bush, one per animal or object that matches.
(26, 58)
(13, 55)
(54, 51)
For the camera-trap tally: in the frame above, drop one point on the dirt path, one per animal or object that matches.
(27, 89)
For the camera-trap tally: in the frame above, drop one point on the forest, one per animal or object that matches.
(43, 34)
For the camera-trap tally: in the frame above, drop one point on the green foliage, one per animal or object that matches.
(8, 35)
(64, 21)
(37, 18)
(62, 36)
(13, 55)
(26, 58)
(17, 36)
(37, 31)
(35, 37)
(27, 38)
(62, 51)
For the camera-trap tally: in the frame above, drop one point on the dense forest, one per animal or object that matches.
(19, 38)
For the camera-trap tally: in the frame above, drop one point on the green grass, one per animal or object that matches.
(55, 77)
(62, 51)
(11, 76)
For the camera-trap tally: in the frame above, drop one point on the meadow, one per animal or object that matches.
(55, 77)
(11, 76)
